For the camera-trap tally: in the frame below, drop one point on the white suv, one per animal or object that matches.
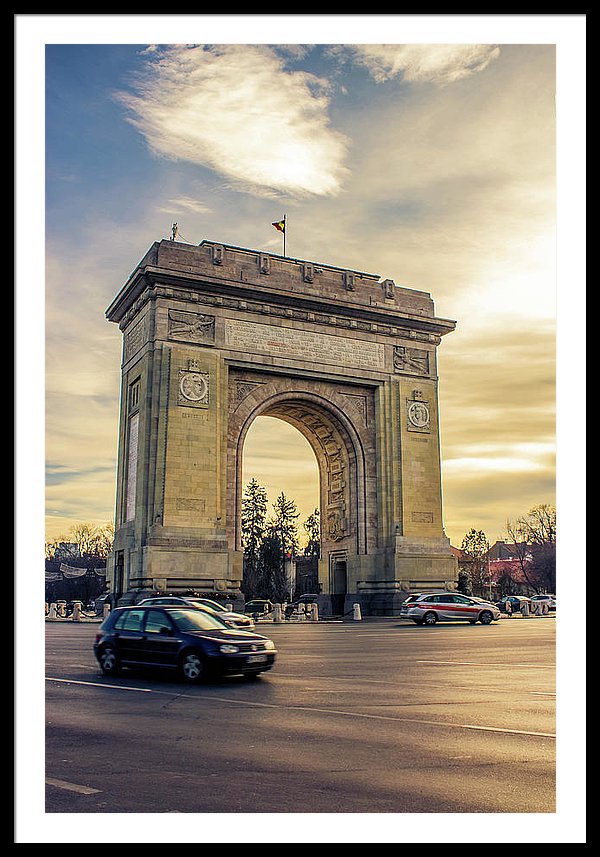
(550, 600)
(449, 607)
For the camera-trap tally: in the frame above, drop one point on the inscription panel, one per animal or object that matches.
(134, 339)
(422, 517)
(303, 344)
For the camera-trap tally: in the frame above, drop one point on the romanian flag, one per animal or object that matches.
(279, 225)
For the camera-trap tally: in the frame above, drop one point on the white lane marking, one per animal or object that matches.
(311, 710)
(72, 787)
(485, 664)
(403, 683)
(99, 684)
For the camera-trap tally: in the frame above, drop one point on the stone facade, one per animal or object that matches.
(214, 336)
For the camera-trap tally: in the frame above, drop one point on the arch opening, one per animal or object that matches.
(282, 460)
(336, 421)
(340, 459)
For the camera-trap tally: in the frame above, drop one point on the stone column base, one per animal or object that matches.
(377, 598)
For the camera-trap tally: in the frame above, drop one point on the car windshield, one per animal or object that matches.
(197, 620)
(208, 603)
(213, 604)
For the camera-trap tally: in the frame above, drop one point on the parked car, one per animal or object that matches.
(516, 601)
(103, 599)
(258, 607)
(237, 619)
(301, 604)
(195, 642)
(427, 609)
(410, 598)
(544, 598)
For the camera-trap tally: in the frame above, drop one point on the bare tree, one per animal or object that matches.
(83, 540)
(534, 539)
(85, 535)
(105, 537)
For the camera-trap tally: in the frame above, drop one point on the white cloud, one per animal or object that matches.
(184, 203)
(236, 110)
(479, 465)
(438, 64)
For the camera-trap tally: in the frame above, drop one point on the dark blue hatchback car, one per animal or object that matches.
(195, 643)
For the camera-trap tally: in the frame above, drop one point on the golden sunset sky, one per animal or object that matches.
(428, 161)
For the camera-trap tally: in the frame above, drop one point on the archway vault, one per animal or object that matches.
(334, 419)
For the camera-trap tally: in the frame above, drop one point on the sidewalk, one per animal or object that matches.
(326, 620)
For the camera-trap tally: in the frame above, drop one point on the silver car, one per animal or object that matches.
(428, 609)
(549, 600)
(237, 620)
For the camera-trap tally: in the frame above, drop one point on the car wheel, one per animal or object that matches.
(192, 667)
(109, 661)
(486, 618)
(430, 618)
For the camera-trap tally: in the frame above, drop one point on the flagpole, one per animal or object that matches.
(281, 226)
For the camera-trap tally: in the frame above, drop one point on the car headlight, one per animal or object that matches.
(269, 644)
(228, 649)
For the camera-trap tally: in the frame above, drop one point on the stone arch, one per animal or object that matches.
(339, 441)
(216, 335)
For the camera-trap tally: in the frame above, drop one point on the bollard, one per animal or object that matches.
(76, 611)
(525, 610)
(277, 613)
(314, 612)
(52, 611)
(357, 616)
(105, 610)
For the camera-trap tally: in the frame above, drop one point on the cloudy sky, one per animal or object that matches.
(431, 163)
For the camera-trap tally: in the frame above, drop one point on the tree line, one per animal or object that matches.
(82, 543)
(83, 547)
(270, 542)
(531, 543)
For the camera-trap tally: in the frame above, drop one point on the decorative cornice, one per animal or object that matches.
(403, 327)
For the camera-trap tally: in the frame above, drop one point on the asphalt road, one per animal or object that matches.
(379, 716)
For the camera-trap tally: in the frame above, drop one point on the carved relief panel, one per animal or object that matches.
(191, 327)
(193, 386)
(412, 360)
(418, 413)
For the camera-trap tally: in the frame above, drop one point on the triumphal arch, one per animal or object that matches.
(214, 336)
